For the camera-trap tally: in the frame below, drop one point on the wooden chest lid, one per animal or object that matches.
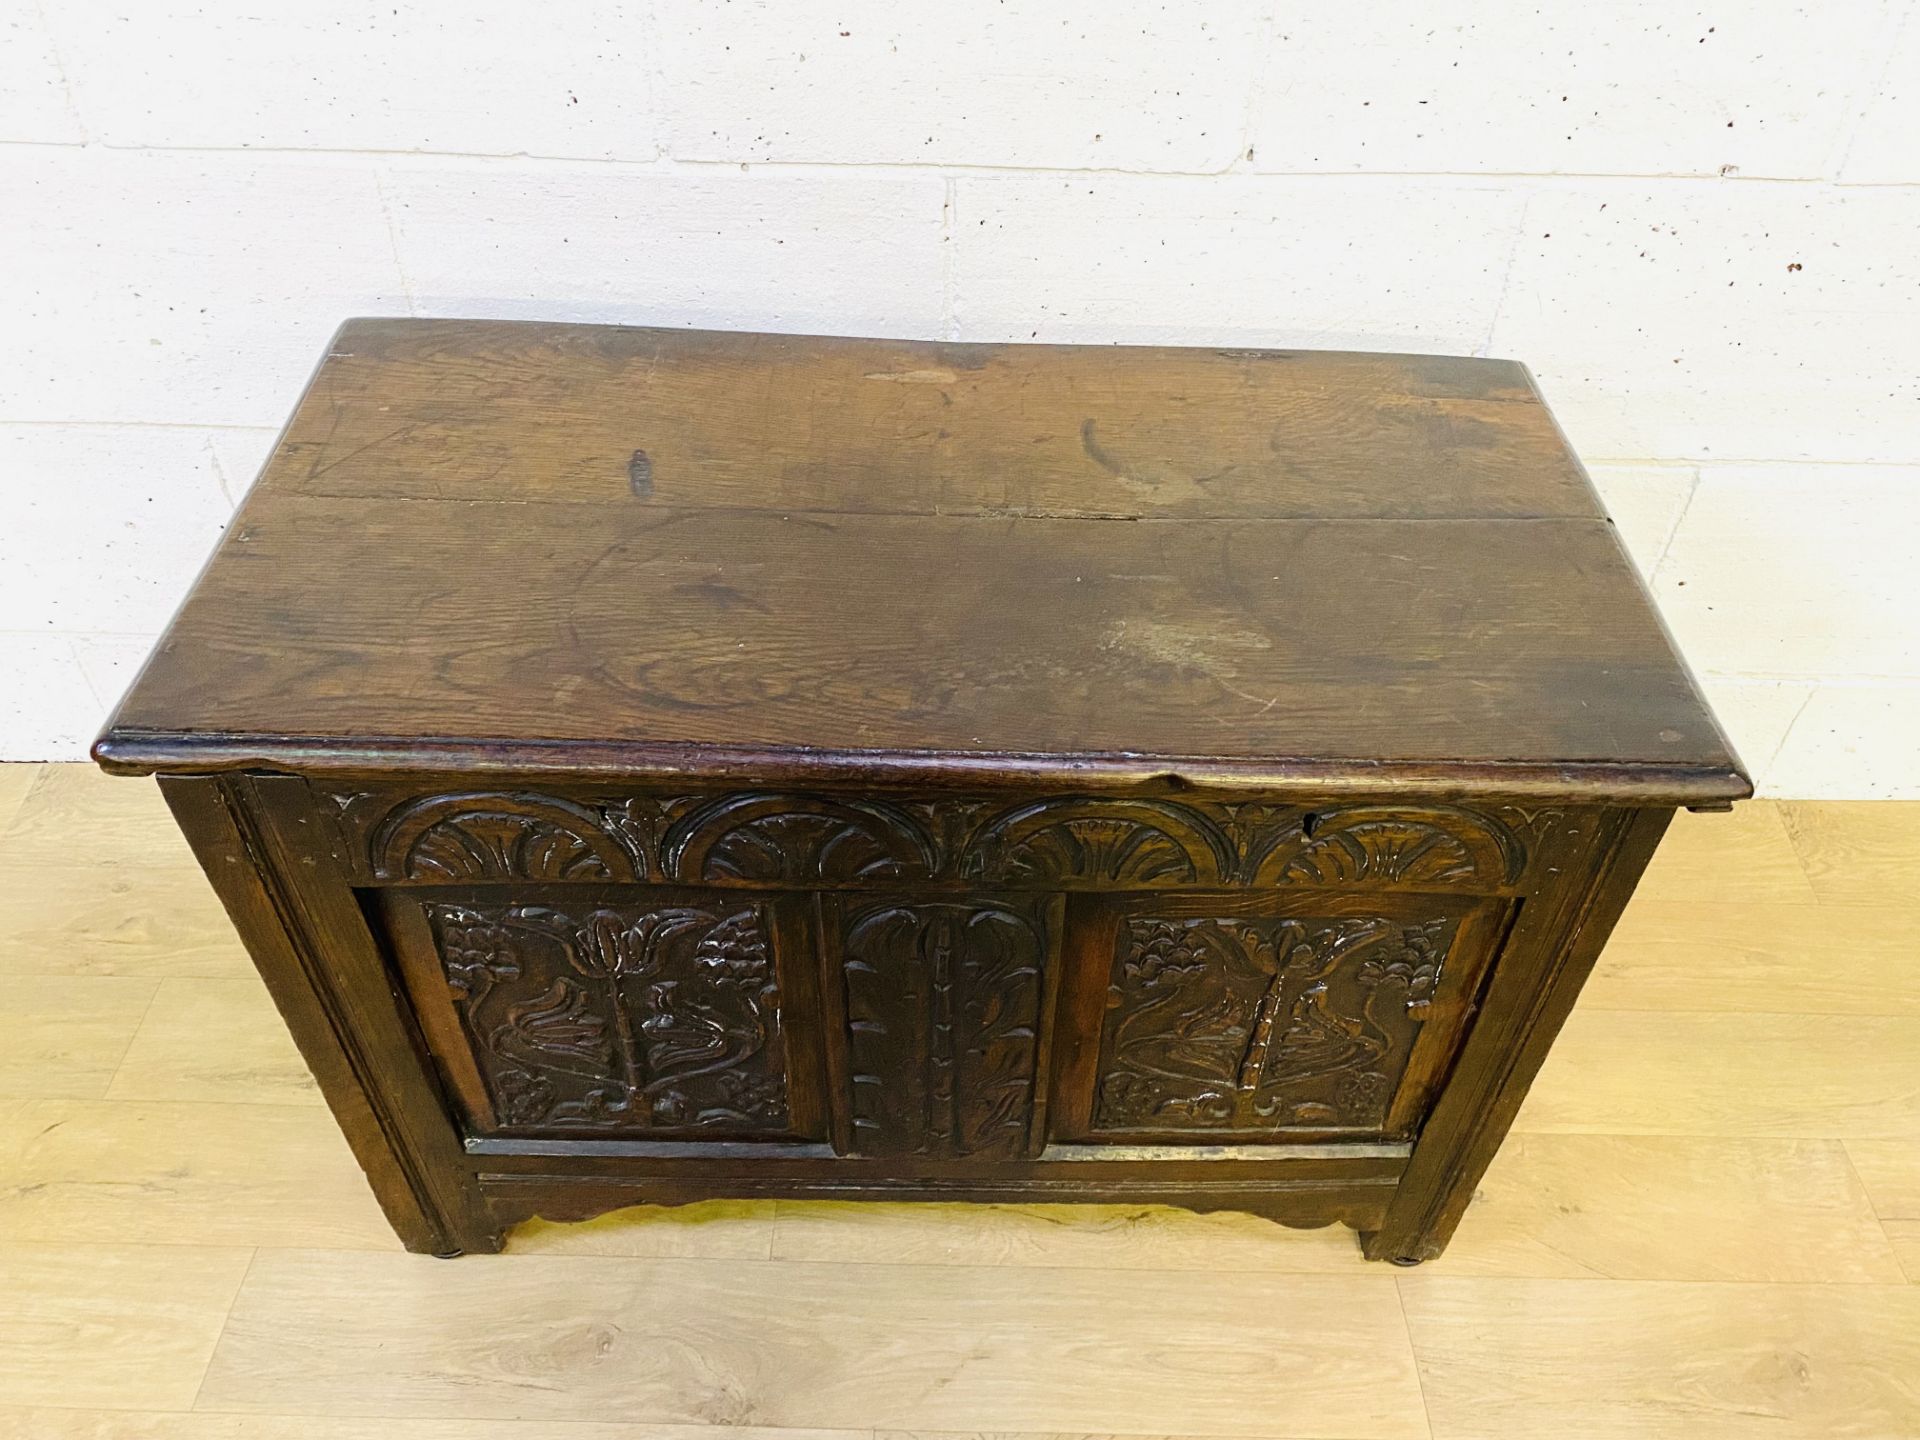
(597, 550)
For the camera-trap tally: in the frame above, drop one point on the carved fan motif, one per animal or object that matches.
(798, 838)
(498, 837)
(1389, 847)
(1135, 842)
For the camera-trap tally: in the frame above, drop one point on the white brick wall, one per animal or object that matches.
(850, 250)
(1114, 86)
(1699, 225)
(1376, 262)
(1613, 87)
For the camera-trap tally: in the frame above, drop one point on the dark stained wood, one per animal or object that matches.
(462, 410)
(1304, 1203)
(1254, 1017)
(593, 1011)
(1226, 642)
(1440, 597)
(942, 1002)
(654, 765)
(320, 966)
(1546, 959)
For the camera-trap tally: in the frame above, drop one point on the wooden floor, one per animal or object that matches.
(1707, 1222)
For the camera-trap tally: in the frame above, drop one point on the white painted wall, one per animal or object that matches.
(1700, 225)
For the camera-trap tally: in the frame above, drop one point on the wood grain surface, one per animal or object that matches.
(776, 1343)
(474, 410)
(1586, 1359)
(573, 546)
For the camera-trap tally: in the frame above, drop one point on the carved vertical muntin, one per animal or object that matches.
(943, 1010)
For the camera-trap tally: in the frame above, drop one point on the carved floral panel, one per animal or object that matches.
(1249, 1025)
(620, 1017)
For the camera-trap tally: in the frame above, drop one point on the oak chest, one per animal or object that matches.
(653, 765)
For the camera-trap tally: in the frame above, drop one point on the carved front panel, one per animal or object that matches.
(943, 1005)
(1247, 1025)
(648, 1017)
